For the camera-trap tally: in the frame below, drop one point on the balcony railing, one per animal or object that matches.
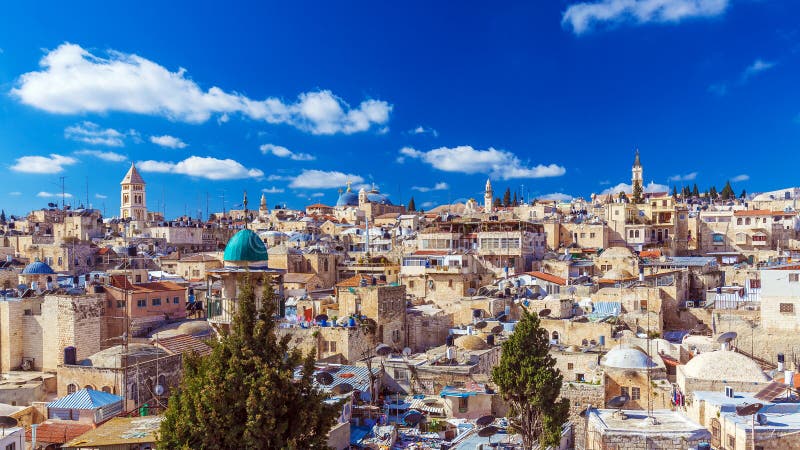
(221, 310)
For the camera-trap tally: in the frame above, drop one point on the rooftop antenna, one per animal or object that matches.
(62, 191)
(244, 204)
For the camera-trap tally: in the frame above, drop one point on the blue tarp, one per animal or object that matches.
(601, 310)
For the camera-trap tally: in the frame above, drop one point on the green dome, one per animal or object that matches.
(245, 246)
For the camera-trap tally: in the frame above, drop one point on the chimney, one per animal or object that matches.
(781, 360)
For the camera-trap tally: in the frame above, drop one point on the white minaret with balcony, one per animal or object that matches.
(488, 197)
(636, 171)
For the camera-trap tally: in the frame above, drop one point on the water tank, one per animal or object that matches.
(781, 361)
(70, 356)
(602, 341)
(450, 340)
(476, 313)
(451, 353)
(704, 446)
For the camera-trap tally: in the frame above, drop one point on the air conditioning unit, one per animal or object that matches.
(690, 304)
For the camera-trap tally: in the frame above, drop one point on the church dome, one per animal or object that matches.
(724, 365)
(625, 356)
(347, 198)
(376, 197)
(37, 268)
(245, 246)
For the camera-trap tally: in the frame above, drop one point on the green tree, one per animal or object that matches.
(675, 192)
(515, 202)
(244, 394)
(686, 192)
(529, 381)
(3, 216)
(712, 193)
(695, 191)
(497, 202)
(727, 192)
(637, 192)
(507, 197)
(411, 205)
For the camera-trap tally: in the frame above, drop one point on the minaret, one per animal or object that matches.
(133, 200)
(636, 172)
(262, 208)
(488, 197)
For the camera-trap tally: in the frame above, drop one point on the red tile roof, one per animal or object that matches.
(430, 252)
(650, 253)
(57, 432)
(753, 212)
(182, 343)
(356, 281)
(122, 282)
(318, 205)
(549, 277)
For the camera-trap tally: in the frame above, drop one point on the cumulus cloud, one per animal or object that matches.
(92, 133)
(168, 141)
(496, 163)
(585, 16)
(441, 186)
(626, 188)
(742, 177)
(557, 196)
(272, 190)
(202, 167)
(45, 194)
(43, 164)
(687, 177)
(283, 152)
(73, 80)
(758, 66)
(424, 130)
(318, 194)
(105, 156)
(100, 196)
(321, 179)
(428, 205)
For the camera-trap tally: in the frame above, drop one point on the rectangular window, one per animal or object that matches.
(156, 302)
(141, 303)
(731, 441)
(120, 303)
(570, 366)
(634, 393)
(624, 391)
(176, 300)
(332, 346)
(794, 277)
(786, 308)
(11, 446)
(463, 404)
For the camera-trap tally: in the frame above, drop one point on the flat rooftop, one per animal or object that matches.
(668, 424)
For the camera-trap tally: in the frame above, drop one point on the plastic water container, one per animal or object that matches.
(351, 323)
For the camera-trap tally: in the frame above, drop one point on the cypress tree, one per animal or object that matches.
(529, 381)
(695, 191)
(674, 192)
(727, 192)
(743, 195)
(515, 202)
(411, 205)
(244, 394)
(507, 197)
(3, 216)
(637, 192)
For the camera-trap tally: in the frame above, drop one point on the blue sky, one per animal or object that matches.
(422, 99)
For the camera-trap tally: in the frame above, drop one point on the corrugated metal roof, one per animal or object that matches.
(85, 399)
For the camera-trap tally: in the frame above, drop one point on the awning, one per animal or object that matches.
(420, 405)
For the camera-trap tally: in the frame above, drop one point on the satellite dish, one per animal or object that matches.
(341, 389)
(487, 431)
(724, 338)
(383, 350)
(324, 378)
(7, 422)
(544, 313)
(321, 317)
(748, 410)
(618, 401)
(485, 420)
(159, 389)
(480, 325)
(497, 329)
(406, 351)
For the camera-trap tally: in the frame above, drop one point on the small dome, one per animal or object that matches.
(245, 246)
(471, 342)
(618, 274)
(724, 365)
(626, 356)
(376, 197)
(616, 252)
(37, 268)
(347, 198)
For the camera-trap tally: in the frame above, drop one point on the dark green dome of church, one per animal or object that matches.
(245, 246)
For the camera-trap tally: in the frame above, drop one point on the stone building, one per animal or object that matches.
(663, 429)
(133, 196)
(780, 299)
(713, 371)
(629, 371)
(384, 304)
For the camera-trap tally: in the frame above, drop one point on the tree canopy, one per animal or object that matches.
(637, 192)
(529, 381)
(244, 394)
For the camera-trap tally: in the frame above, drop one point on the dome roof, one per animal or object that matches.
(724, 365)
(618, 274)
(626, 356)
(37, 268)
(471, 342)
(616, 252)
(376, 197)
(347, 198)
(245, 246)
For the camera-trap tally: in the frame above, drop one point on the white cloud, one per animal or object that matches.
(758, 66)
(321, 179)
(73, 80)
(105, 156)
(584, 16)
(496, 163)
(275, 177)
(742, 177)
(43, 164)
(441, 186)
(15, 193)
(687, 177)
(283, 152)
(557, 196)
(272, 190)
(423, 130)
(91, 133)
(428, 205)
(100, 196)
(626, 188)
(202, 167)
(318, 194)
(168, 141)
(44, 194)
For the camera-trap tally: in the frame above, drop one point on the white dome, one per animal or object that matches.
(724, 365)
(625, 356)
(618, 274)
(616, 252)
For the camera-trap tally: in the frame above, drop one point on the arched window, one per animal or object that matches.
(107, 389)
(89, 386)
(71, 388)
(747, 221)
(739, 221)
(555, 336)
